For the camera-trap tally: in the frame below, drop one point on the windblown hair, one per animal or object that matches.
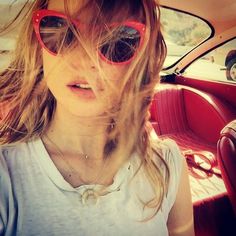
(31, 106)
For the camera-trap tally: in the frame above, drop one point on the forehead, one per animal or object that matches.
(73, 6)
(76, 8)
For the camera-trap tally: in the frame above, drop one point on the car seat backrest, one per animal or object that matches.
(226, 155)
(179, 108)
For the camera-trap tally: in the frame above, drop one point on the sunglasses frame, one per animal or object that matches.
(40, 14)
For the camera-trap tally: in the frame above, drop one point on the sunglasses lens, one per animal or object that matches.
(55, 33)
(123, 46)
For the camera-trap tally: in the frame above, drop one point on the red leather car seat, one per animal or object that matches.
(226, 154)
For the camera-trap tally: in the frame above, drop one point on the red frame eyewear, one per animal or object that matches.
(132, 25)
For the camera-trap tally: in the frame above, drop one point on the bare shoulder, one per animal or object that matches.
(181, 222)
(179, 195)
(168, 149)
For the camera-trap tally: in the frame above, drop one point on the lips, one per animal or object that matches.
(81, 89)
(77, 82)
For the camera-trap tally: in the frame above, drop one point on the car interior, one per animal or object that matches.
(198, 111)
(195, 104)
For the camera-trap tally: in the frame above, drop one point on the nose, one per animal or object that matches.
(79, 59)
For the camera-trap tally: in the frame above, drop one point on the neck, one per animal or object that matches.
(78, 135)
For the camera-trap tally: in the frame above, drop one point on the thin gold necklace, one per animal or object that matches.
(90, 195)
(70, 167)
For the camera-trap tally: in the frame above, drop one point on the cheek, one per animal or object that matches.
(50, 63)
(118, 77)
(51, 70)
(47, 62)
(115, 73)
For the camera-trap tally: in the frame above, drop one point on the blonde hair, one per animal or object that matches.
(31, 104)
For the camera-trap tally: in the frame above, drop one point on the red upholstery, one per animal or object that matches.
(192, 118)
(206, 115)
(226, 150)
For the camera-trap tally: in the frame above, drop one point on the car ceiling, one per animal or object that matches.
(220, 14)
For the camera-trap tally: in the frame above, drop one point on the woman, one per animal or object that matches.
(77, 156)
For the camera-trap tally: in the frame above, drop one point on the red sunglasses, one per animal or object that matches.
(54, 34)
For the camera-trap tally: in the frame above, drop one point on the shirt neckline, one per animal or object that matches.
(43, 158)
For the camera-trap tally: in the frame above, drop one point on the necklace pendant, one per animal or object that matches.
(89, 197)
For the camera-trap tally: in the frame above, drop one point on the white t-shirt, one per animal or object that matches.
(36, 200)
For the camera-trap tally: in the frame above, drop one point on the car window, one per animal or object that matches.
(219, 64)
(182, 32)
